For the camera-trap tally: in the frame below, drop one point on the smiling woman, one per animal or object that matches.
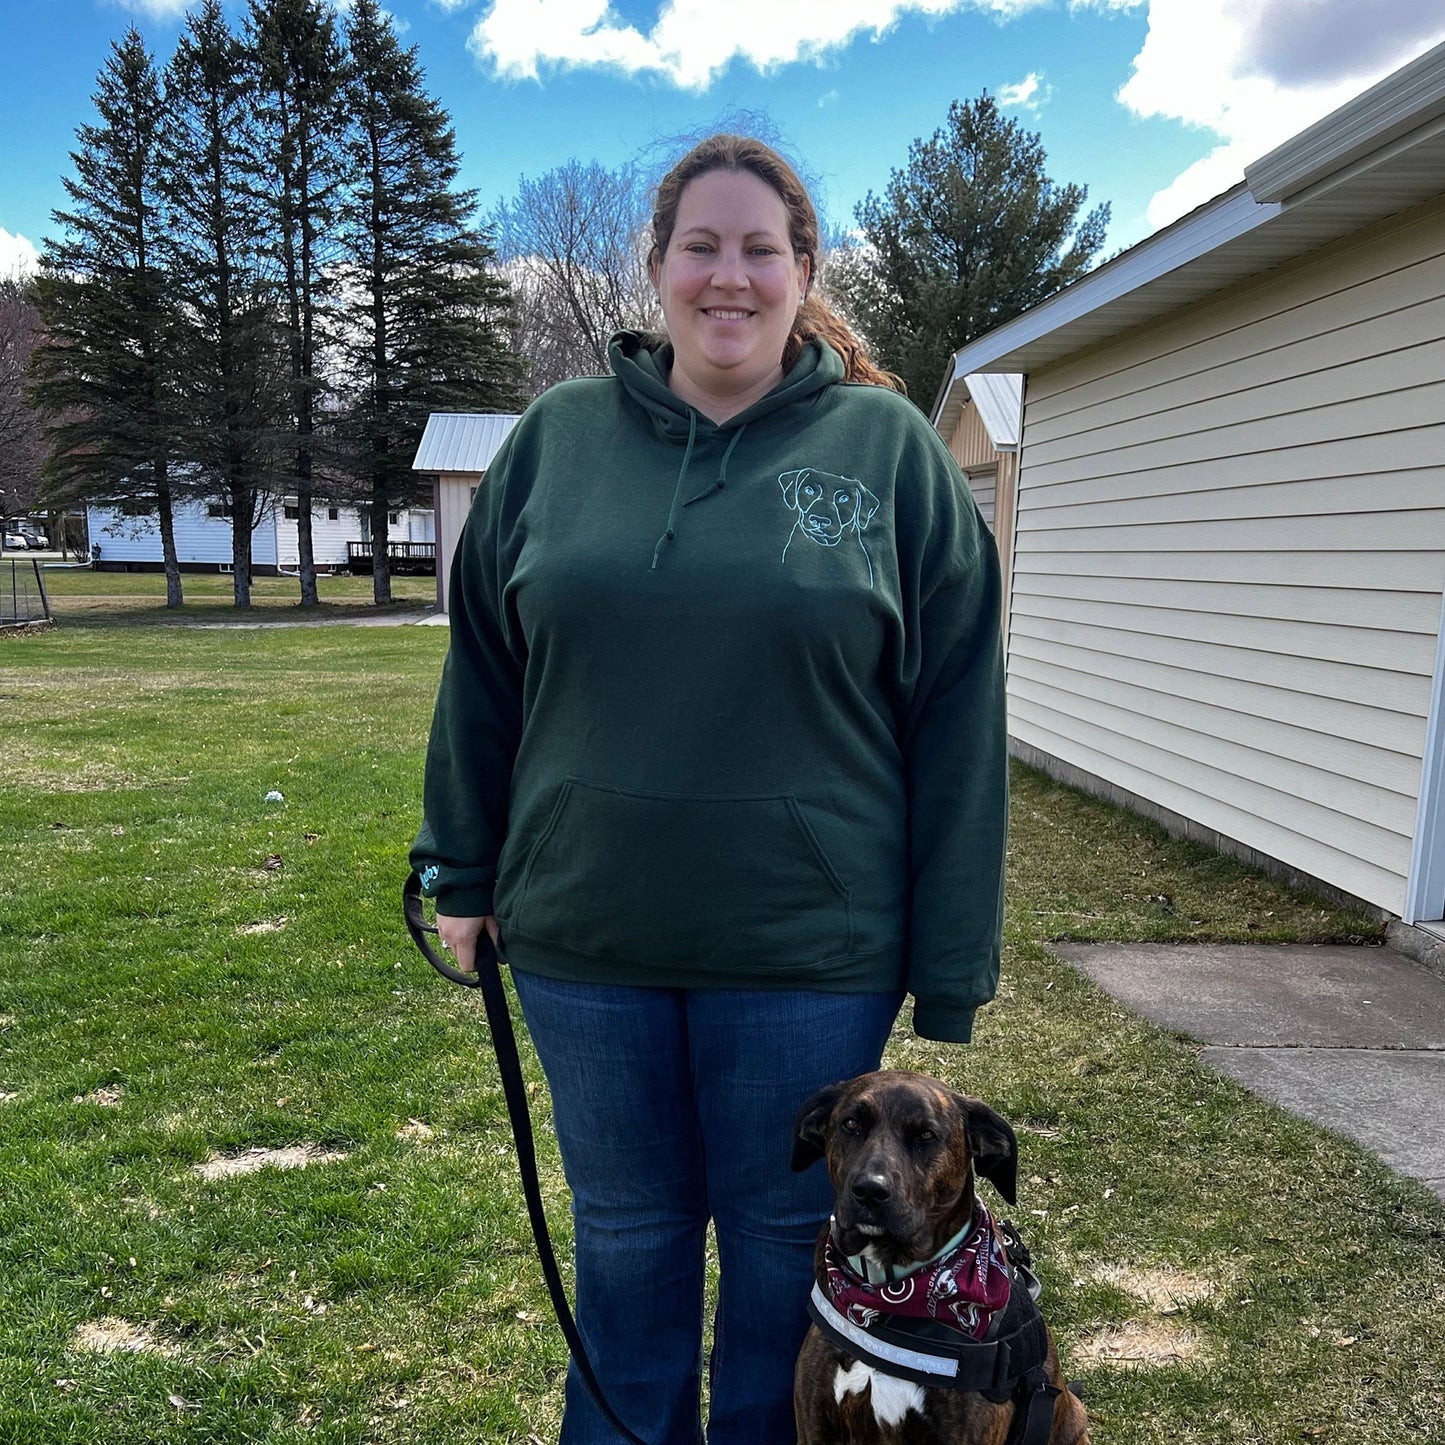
(730, 287)
(720, 796)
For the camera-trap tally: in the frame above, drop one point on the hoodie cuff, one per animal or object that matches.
(474, 902)
(944, 1022)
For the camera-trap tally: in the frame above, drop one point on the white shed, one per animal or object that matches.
(203, 535)
(455, 450)
(1228, 552)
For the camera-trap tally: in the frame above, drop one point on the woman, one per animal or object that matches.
(719, 761)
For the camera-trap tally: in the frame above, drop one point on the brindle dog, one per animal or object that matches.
(902, 1152)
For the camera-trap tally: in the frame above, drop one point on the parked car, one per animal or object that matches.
(34, 539)
(15, 541)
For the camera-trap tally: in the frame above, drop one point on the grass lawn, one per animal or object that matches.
(78, 594)
(190, 976)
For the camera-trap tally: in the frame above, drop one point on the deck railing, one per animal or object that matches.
(403, 556)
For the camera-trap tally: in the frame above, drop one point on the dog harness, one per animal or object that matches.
(953, 1322)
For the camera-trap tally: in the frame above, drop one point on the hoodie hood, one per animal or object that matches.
(643, 362)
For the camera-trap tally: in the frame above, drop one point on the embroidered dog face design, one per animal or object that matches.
(828, 509)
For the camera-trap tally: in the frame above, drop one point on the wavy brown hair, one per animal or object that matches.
(815, 317)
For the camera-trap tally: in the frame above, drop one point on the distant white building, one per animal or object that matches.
(455, 450)
(340, 535)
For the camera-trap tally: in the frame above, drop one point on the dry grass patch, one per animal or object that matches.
(265, 925)
(296, 1156)
(88, 777)
(108, 1097)
(1140, 1344)
(415, 1129)
(6, 1098)
(113, 1335)
(1161, 1287)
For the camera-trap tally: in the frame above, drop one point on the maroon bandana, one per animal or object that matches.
(963, 1286)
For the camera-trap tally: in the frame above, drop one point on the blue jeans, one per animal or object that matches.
(673, 1106)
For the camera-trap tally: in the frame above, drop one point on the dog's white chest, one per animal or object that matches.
(892, 1398)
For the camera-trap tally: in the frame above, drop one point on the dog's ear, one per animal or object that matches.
(867, 504)
(993, 1145)
(789, 483)
(811, 1129)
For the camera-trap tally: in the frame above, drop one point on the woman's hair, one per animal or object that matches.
(815, 318)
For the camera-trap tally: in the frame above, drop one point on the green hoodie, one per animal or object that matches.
(724, 705)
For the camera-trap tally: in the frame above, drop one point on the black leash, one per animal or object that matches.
(488, 978)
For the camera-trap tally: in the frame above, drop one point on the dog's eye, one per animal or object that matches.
(925, 1136)
(851, 1126)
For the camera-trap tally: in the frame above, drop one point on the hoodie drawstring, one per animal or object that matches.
(717, 486)
(722, 475)
(671, 531)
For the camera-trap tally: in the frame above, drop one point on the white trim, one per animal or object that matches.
(1220, 221)
(1369, 139)
(1407, 98)
(1425, 892)
(872, 1347)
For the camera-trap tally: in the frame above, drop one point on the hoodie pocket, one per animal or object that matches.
(668, 880)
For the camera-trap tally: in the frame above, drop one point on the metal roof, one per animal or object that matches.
(1381, 153)
(998, 397)
(461, 441)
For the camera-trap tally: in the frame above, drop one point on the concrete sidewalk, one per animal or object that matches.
(1352, 1038)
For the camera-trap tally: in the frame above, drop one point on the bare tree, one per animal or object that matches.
(574, 250)
(22, 444)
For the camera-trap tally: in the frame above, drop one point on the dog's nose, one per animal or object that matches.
(871, 1189)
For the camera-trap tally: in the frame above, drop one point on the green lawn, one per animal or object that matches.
(78, 594)
(189, 974)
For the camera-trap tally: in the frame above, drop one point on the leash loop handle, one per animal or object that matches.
(488, 978)
(419, 928)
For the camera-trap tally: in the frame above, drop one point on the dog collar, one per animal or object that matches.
(963, 1286)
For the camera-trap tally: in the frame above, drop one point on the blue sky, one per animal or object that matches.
(1155, 105)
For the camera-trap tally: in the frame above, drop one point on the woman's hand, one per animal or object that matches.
(459, 937)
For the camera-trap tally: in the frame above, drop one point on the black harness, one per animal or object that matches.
(1009, 1365)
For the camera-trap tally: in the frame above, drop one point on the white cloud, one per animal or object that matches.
(343, 9)
(830, 97)
(157, 9)
(1029, 94)
(1255, 72)
(690, 44)
(17, 256)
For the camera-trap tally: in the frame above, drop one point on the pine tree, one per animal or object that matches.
(103, 372)
(22, 437)
(968, 235)
(301, 70)
(427, 330)
(234, 372)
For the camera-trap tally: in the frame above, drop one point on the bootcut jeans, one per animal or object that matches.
(673, 1106)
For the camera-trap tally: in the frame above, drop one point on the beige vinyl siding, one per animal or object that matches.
(974, 451)
(1230, 551)
(983, 483)
(992, 477)
(453, 501)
